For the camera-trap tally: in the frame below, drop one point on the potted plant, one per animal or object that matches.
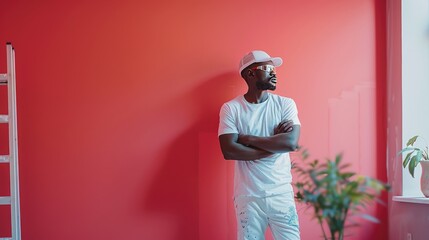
(334, 193)
(416, 155)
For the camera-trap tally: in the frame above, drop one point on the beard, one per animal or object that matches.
(265, 86)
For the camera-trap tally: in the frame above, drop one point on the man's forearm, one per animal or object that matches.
(276, 144)
(280, 143)
(241, 152)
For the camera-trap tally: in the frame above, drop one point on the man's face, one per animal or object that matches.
(265, 76)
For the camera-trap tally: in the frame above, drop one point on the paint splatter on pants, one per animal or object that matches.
(255, 214)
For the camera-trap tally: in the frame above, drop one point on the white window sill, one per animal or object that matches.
(419, 200)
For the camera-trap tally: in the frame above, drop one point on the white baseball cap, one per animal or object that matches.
(258, 56)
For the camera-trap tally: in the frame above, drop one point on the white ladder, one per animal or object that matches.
(8, 79)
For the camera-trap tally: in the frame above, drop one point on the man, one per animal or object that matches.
(258, 130)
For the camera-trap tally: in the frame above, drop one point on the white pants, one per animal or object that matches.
(255, 214)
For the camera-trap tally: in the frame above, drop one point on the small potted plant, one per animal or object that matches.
(334, 193)
(416, 155)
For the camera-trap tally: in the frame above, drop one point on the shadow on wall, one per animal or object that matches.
(172, 198)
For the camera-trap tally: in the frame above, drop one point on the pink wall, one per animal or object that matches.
(118, 107)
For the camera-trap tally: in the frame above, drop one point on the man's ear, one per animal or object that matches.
(248, 73)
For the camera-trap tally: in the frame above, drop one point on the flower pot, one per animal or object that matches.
(424, 180)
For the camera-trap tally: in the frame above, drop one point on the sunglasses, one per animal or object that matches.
(266, 68)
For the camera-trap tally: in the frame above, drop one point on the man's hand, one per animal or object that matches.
(284, 127)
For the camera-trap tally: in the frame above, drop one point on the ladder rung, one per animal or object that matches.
(4, 159)
(3, 78)
(4, 118)
(6, 239)
(4, 200)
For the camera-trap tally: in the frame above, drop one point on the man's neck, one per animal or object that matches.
(256, 97)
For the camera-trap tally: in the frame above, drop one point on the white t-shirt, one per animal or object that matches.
(267, 176)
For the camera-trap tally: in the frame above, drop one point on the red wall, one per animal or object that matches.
(118, 106)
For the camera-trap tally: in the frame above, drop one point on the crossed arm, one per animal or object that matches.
(249, 147)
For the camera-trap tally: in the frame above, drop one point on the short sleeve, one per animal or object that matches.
(290, 111)
(227, 122)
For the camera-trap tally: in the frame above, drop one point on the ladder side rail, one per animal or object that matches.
(13, 146)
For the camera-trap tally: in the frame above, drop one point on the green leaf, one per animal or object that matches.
(305, 154)
(338, 159)
(347, 175)
(407, 159)
(412, 140)
(407, 149)
(419, 156)
(346, 165)
(370, 218)
(412, 165)
(376, 185)
(314, 163)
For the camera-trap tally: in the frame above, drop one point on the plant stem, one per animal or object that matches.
(343, 221)
(323, 229)
(331, 229)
